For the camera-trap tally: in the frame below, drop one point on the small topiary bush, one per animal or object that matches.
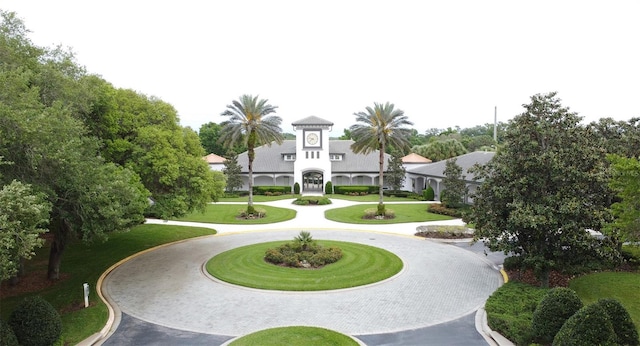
(303, 252)
(328, 188)
(7, 336)
(554, 310)
(252, 213)
(372, 213)
(35, 322)
(625, 330)
(296, 188)
(428, 194)
(589, 326)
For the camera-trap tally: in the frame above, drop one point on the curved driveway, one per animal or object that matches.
(168, 286)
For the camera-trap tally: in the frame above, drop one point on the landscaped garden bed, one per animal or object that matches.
(444, 232)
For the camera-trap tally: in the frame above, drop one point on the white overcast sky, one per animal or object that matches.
(445, 63)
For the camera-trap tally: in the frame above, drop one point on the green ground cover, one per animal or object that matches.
(227, 214)
(85, 263)
(308, 336)
(360, 265)
(413, 212)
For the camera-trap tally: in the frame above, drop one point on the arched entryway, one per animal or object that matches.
(312, 181)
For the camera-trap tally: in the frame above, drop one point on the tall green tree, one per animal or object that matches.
(619, 137)
(209, 134)
(543, 189)
(42, 134)
(625, 182)
(396, 173)
(377, 128)
(232, 170)
(22, 217)
(440, 150)
(251, 124)
(454, 186)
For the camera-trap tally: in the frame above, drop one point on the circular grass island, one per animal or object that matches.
(360, 265)
(310, 336)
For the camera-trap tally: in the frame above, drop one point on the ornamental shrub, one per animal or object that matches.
(625, 330)
(381, 209)
(296, 188)
(35, 322)
(7, 336)
(589, 326)
(552, 312)
(428, 194)
(328, 188)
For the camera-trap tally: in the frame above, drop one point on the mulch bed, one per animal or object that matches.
(556, 279)
(32, 281)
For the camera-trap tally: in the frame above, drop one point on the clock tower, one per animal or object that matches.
(312, 167)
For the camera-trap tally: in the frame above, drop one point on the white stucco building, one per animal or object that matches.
(312, 159)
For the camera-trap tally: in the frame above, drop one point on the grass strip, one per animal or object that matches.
(359, 265)
(414, 212)
(308, 336)
(228, 213)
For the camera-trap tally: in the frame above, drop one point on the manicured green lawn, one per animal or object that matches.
(359, 265)
(85, 263)
(622, 286)
(404, 213)
(257, 198)
(308, 336)
(227, 213)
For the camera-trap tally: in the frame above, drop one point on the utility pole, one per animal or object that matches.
(495, 124)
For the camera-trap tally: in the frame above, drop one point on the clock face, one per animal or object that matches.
(312, 139)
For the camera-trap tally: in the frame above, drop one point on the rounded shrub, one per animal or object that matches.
(328, 188)
(428, 194)
(625, 330)
(7, 336)
(589, 326)
(552, 312)
(35, 322)
(296, 188)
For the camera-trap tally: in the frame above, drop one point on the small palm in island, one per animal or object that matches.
(303, 252)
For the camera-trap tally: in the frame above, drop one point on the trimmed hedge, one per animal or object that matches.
(346, 189)
(510, 310)
(35, 322)
(312, 200)
(397, 193)
(591, 325)
(552, 312)
(442, 210)
(271, 190)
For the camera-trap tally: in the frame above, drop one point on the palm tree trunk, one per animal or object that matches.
(251, 155)
(251, 142)
(381, 178)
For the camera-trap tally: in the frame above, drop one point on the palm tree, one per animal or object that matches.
(377, 129)
(250, 124)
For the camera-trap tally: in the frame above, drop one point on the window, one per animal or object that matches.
(335, 157)
(289, 157)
